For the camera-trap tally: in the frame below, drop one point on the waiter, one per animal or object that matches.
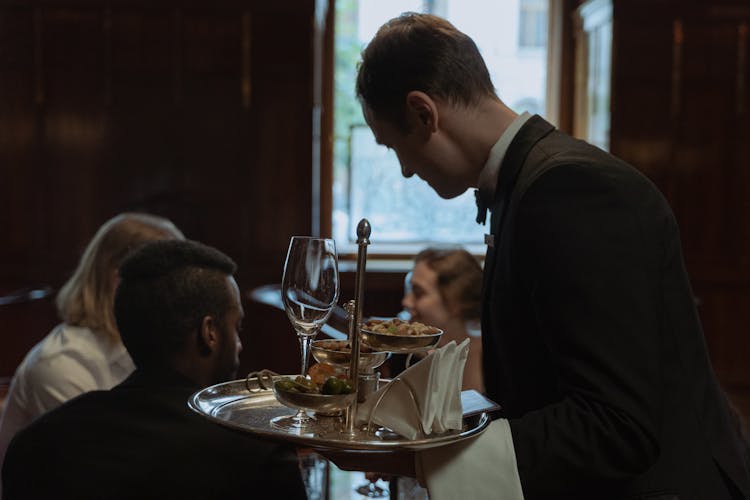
(591, 340)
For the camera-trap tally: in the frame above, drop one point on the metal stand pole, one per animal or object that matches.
(355, 320)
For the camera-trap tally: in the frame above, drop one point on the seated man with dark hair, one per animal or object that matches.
(178, 311)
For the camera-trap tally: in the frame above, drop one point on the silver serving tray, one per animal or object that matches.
(232, 405)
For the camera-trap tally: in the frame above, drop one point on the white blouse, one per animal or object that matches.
(69, 361)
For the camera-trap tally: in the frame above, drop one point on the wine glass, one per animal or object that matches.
(309, 291)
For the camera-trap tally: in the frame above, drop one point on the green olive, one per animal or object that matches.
(332, 385)
(346, 387)
(305, 384)
(286, 384)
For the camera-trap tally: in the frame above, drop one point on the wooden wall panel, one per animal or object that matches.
(30, 322)
(679, 102)
(201, 113)
(143, 44)
(18, 128)
(722, 306)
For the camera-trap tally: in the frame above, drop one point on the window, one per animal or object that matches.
(532, 30)
(406, 214)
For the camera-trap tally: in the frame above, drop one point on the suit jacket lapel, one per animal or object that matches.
(531, 132)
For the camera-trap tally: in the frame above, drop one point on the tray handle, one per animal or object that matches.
(265, 380)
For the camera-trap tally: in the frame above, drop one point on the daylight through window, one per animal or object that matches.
(406, 214)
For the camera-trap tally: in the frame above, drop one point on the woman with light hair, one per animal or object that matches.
(84, 352)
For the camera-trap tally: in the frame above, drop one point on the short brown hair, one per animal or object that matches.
(87, 298)
(459, 279)
(420, 52)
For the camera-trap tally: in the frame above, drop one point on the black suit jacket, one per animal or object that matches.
(140, 440)
(591, 339)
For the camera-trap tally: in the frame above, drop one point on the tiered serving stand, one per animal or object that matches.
(250, 405)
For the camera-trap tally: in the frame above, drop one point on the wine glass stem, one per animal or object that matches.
(305, 341)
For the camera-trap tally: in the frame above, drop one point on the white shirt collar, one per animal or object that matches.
(488, 176)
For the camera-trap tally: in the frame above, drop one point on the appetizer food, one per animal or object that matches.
(323, 380)
(341, 346)
(319, 372)
(399, 327)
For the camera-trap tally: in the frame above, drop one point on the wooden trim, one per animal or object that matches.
(38, 57)
(246, 82)
(741, 84)
(678, 39)
(326, 123)
(566, 67)
(555, 15)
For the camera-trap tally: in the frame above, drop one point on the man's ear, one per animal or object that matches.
(422, 111)
(208, 334)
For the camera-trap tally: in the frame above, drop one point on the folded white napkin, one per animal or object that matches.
(482, 468)
(435, 383)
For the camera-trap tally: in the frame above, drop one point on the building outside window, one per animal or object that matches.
(406, 214)
(532, 29)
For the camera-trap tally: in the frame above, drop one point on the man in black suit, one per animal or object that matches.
(591, 340)
(178, 310)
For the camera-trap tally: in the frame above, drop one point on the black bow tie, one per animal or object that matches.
(481, 208)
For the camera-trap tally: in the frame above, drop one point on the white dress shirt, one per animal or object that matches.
(488, 176)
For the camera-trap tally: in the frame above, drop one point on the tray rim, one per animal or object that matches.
(482, 419)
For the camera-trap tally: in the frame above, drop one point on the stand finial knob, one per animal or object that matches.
(363, 232)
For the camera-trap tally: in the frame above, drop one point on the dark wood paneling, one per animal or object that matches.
(724, 308)
(680, 113)
(198, 112)
(24, 324)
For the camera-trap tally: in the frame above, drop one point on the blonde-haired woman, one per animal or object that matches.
(84, 353)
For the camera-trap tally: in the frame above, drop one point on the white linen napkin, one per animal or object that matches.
(436, 385)
(482, 468)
